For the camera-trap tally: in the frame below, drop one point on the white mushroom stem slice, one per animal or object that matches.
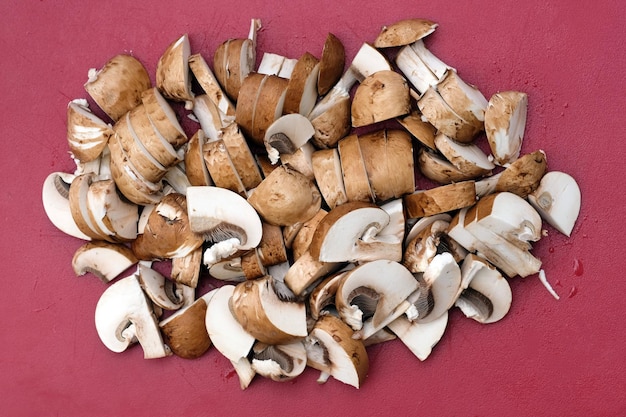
(557, 200)
(440, 199)
(286, 135)
(333, 351)
(210, 85)
(227, 335)
(279, 362)
(436, 65)
(103, 259)
(123, 313)
(415, 70)
(172, 72)
(505, 122)
(404, 32)
(419, 337)
(87, 134)
(328, 176)
(363, 297)
(56, 204)
(301, 93)
(162, 291)
(467, 158)
(382, 95)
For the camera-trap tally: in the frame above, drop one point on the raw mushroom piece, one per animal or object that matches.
(505, 122)
(286, 135)
(56, 204)
(172, 72)
(404, 32)
(103, 259)
(163, 292)
(557, 200)
(381, 96)
(87, 134)
(281, 362)
(331, 64)
(419, 337)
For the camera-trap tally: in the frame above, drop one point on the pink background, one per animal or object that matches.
(546, 358)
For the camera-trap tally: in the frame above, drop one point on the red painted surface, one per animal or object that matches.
(546, 358)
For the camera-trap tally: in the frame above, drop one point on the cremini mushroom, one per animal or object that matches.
(521, 177)
(404, 32)
(381, 96)
(355, 178)
(163, 292)
(441, 199)
(172, 72)
(467, 158)
(208, 82)
(505, 122)
(332, 63)
(282, 362)
(301, 94)
(103, 259)
(557, 200)
(56, 204)
(328, 176)
(87, 134)
(419, 337)
(286, 135)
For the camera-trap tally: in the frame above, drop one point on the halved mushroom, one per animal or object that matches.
(381, 96)
(333, 351)
(210, 85)
(467, 158)
(286, 135)
(328, 176)
(440, 199)
(163, 292)
(262, 314)
(281, 362)
(505, 122)
(419, 337)
(172, 72)
(124, 316)
(444, 118)
(87, 134)
(117, 86)
(103, 259)
(56, 204)
(521, 177)
(331, 64)
(404, 32)
(301, 93)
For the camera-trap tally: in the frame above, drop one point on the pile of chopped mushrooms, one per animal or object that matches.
(316, 238)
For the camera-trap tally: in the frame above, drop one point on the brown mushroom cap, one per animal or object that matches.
(404, 32)
(331, 64)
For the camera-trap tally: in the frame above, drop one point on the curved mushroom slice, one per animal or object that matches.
(443, 280)
(77, 196)
(505, 122)
(224, 218)
(440, 199)
(56, 204)
(186, 269)
(87, 134)
(172, 72)
(162, 292)
(421, 250)
(279, 362)
(262, 314)
(327, 172)
(332, 63)
(207, 81)
(286, 135)
(268, 106)
(221, 167)
(305, 272)
(185, 330)
(163, 118)
(465, 99)
(333, 351)
(467, 158)
(419, 128)
(124, 315)
(438, 169)
(354, 172)
(367, 303)
(168, 233)
(209, 117)
(152, 140)
(241, 156)
(246, 104)
(103, 259)
(419, 337)
(271, 248)
(353, 232)
(195, 167)
(227, 335)
(404, 32)
(286, 197)
(302, 241)
(117, 86)
(301, 93)
(322, 298)
(381, 96)
(488, 296)
(557, 200)
(444, 118)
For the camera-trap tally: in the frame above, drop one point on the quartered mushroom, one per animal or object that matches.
(241, 156)
(419, 128)
(282, 362)
(505, 122)
(195, 167)
(435, 167)
(103, 259)
(87, 134)
(303, 238)
(172, 72)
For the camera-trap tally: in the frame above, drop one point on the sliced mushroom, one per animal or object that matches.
(186, 269)
(438, 169)
(302, 241)
(419, 128)
(328, 176)
(195, 167)
(163, 117)
(467, 158)
(444, 118)
(162, 292)
(557, 200)
(221, 167)
(381, 96)
(443, 280)
(301, 160)
(332, 63)
(56, 204)
(505, 122)
(271, 248)
(124, 315)
(354, 172)
(421, 250)
(229, 269)
(286, 135)
(271, 64)
(465, 99)
(103, 259)
(87, 134)
(241, 156)
(440, 199)
(419, 337)
(404, 32)
(306, 272)
(77, 196)
(252, 266)
(210, 85)
(172, 72)
(281, 362)
(301, 94)
(209, 116)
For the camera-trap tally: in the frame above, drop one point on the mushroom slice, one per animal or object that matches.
(206, 79)
(332, 63)
(241, 156)
(124, 315)
(443, 279)
(440, 199)
(354, 172)
(557, 200)
(221, 167)
(328, 176)
(367, 303)
(286, 135)
(229, 269)
(353, 232)
(444, 118)
(438, 169)
(286, 197)
(186, 269)
(262, 314)
(302, 241)
(301, 94)
(227, 335)
(488, 296)
(322, 298)
(152, 140)
(209, 117)
(176, 179)
(163, 118)
(252, 266)
(117, 86)
(103, 259)
(268, 106)
(419, 128)
(279, 362)
(77, 196)
(521, 177)
(419, 337)
(172, 72)
(381, 96)
(505, 122)
(332, 350)
(421, 250)
(87, 134)
(167, 233)
(56, 204)
(224, 218)
(467, 158)
(271, 248)
(163, 292)
(404, 32)
(195, 167)
(465, 99)
(271, 64)
(305, 272)
(415, 70)
(423, 223)
(185, 330)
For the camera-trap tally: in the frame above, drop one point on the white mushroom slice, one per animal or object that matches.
(163, 292)
(443, 278)
(241, 156)
(225, 218)
(353, 232)
(367, 61)
(323, 296)
(286, 135)
(206, 79)
(227, 335)
(467, 158)
(229, 269)
(440, 199)
(328, 176)
(305, 272)
(123, 314)
(279, 362)
(301, 93)
(505, 122)
(111, 214)
(488, 296)
(364, 301)
(404, 32)
(305, 234)
(557, 200)
(103, 259)
(87, 134)
(177, 179)
(256, 306)
(270, 64)
(172, 72)
(209, 116)
(332, 63)
(333, 351)
(465, 99)
(419, 337)
(163, 118)
(56, 204)
(381, 96)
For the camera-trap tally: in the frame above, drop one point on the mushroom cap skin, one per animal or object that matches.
(419, 128)
(557, 200)
(163, 118)
(381, 96)
(332, 64)
(172, 72)
(505, 122)
(404, 32)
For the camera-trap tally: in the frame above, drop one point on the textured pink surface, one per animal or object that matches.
(546, 358)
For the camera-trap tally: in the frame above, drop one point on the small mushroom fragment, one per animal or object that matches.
(355, 176)
(271, 64)
(467, 158)
(440, 199)
(103, 259)
(56, 204)
(487, 299)
(328, 176)
(419, 128)
(172, 72)
(185, 330)
(381, 96)
(281, 362)
(186, 269)
(163, 292)
(256, 306)
(557, 200)
(440, 170)
(117, 86)
(286, 135)
(521, 177)
(333, 351)
(227, 335)
(302, 241)
(505, 122)
(163, 118)
(332, 64)
(404, 32)
(210, 85)
(305, 272)
(419, 337)
(421, 249)
(439, 113)
(87, 134)
(301, 93)
(124, 316)
(224, 218)
(286, 197)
